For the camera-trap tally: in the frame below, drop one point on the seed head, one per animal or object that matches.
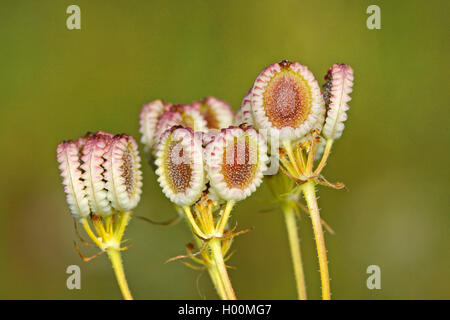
(192, 118)
(286, 97)
(217, 113)
(235, 161)
(100, 173)
(92, 165)
(68, 156)
(179, 162)
(338, 85)
(122, 173)
(148, 120)
(168, 120)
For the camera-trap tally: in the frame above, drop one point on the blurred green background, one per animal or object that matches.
(58, 84)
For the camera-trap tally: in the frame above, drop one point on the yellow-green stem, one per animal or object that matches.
(217, 256)
(325, 155)
(213, 273)
(291, 225)
(290, 153)
(124, 219)
(215, 278)
(116, 261)
(225, 216)
(193, 223)
(91, 234)
(310, 196)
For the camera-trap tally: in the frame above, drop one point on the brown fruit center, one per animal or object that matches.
(240, 163)
(287, 99)
(128, 171)
(178, 170)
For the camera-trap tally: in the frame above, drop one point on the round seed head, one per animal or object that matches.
(338, 85)
(235, 161)
(67, 155)
(148, 120)
(180, 166)
(286, 97)
(122, 173)
(217, 113)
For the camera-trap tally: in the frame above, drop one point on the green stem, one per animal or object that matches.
(290, 153)
(325, 155)
(294, 244)
(310, 196)
(215, 278)
(123, 221)
(91, 234)
(193, 223)
(213, 273)
(225, 216)
(217, 257)
(116, 261)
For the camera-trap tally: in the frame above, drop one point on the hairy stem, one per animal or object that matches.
(213, 273)
(217, 257)
(294, 244)
(215, 278)
(116, 261)
(310, 196)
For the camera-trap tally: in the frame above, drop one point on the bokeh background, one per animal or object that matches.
(58, 84)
